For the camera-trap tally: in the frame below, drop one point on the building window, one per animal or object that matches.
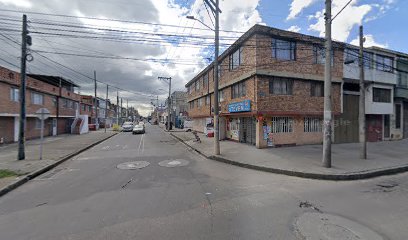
(281, 86)
(197, 85)
(352, 56)
(384, 63)
(37, 98)
(64, 103)
(398, 116)
(282, 125)
(14, 94)
(199, 102)
(70, 104)
(205, 80)
(316, 89)
(83, 107)
(235, 59)
(37, 123)
(238, 90)
(283, 50)
(89, 109)
(312, 124)
(207, 100)
(190, 89)
(319, 53)
(191, 104)
(219, 70)
(381, 95)
(220, 95)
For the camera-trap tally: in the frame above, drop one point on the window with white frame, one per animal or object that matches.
(37, 98)
(235, 59)
(319, 53)
(221, 95)
(282, 125)
(312, 124)
(384, 63)
(281, 86)
(14, 94)
(283, 50)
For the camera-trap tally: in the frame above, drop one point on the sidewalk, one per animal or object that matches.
(384, 158)
(55, 150)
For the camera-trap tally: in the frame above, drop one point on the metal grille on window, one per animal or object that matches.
(282, 124)
(312, 124)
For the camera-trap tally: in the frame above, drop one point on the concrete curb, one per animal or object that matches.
(319, 176)
(40, 171)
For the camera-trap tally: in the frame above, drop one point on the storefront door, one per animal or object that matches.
(374, 128)
(248, 130)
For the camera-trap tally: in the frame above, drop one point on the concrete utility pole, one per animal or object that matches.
(96, 101)
(327, 115)
(216, 103)
(117, 107)
(127, 109)
(22, 119)
(106, 104)
(121, 104)
(361, 112)
(168, 80)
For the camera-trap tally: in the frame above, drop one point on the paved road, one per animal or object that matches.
(88, 197)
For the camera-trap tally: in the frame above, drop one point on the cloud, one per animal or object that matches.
(294, 28)
(17, 3)
(369, 42)
(297, 6)
(351, 16)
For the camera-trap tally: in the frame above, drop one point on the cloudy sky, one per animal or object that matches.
(129, 43)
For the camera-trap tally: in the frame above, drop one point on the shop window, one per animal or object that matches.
(281, 86)
(283, 50)
(381, 95)
(316, 89)
(238, 90)
(282, 125)
(312, 124)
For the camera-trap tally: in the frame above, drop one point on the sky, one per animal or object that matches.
(152, 38)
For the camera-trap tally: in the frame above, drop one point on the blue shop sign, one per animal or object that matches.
(244, 106)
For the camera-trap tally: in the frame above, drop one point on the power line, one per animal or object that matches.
(341, 10)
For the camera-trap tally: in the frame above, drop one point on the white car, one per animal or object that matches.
(127, 127)
(138, 129)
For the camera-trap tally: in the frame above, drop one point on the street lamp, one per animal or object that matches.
(214, 6)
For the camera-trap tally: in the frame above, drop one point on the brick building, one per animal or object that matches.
(271, 89)
(54, 93)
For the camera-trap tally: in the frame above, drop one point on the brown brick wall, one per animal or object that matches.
(299, 102)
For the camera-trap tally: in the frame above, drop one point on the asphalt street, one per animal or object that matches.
(170, 192)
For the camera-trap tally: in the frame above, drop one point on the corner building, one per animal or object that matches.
(270, 89)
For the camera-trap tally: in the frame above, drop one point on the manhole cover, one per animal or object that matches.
(311, 225)
(174, 163)
(133, 165)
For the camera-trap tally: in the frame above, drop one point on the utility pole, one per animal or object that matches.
(361, 112)
(121, 104)
(117, 107)
(127, 109)
(216, 103)
(96, 102)
(106, 104)
(168, 80)
(327, 115)
(157, 109)
(22, 119)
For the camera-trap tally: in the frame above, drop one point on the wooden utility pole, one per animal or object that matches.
(361, 112)
(327, 114)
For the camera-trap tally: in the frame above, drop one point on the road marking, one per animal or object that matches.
(143, 148)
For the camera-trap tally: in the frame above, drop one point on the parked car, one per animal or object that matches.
(138, 129)
(127, 127)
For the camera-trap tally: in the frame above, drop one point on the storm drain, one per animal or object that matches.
(133, 165)
(174, 163)
(312, 225)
